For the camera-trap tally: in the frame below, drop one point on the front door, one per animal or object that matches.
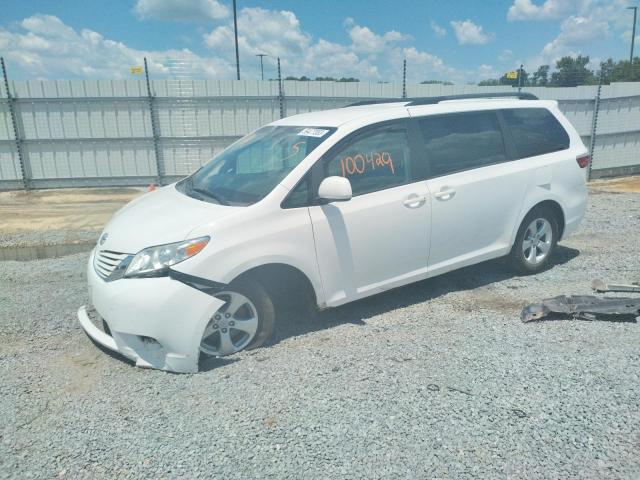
(379, 238)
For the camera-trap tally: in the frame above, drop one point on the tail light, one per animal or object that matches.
(583, 161)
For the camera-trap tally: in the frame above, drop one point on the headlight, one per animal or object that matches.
(155, 260)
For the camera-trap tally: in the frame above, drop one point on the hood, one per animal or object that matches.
(155, 218)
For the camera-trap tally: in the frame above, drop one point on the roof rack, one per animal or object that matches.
(410, 102)
(376, 101)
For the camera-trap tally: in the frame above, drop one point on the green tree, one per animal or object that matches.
(436, 82)
(540, 77)
(491, 82)
(619, 71)
(572, 71)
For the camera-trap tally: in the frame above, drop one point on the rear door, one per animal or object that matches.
(476, 190)
(379, 238)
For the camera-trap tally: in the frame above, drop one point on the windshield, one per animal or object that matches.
(250, 168)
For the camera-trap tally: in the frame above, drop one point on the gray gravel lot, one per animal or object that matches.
(438, 379)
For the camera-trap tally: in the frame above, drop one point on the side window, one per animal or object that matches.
(461, 141)
(299, 196)
(373, 161)
(535, 131)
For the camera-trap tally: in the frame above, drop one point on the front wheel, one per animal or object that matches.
(535, 243)
(245, 321)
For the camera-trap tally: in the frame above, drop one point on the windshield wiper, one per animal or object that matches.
(208, 194)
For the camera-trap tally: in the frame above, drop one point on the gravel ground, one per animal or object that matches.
(438, 379)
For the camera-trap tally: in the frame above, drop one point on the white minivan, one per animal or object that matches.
(331, 207)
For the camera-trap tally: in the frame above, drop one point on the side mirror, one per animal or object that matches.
(335, 189)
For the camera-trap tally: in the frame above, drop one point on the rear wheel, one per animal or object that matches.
(245, 321)
(535, 243)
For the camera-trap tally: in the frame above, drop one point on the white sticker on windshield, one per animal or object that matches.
(313, 132)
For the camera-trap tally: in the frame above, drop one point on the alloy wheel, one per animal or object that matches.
(537, 242)
(232, 327)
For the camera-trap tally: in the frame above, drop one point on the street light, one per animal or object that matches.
(633, 39)
(261, 55)
(235, 31)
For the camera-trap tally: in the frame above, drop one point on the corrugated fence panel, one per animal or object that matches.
(100, 131)
(89, 159)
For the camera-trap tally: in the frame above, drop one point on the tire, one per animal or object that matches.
(248, 326)
(531, 252)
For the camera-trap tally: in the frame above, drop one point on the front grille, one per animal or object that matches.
(106, 261)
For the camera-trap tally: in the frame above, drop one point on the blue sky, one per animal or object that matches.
(462, 40)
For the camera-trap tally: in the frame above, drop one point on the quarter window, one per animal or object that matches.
(373, 161)
(535, 131)
(461, 141)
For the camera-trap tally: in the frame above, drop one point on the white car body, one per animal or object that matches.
(346, 250)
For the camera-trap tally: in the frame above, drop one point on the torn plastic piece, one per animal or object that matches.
(600, 286)
(586, 307)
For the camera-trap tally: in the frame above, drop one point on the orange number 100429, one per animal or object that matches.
(361, 162)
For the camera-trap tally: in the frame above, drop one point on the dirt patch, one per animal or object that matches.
(616, 185)
(63, 209)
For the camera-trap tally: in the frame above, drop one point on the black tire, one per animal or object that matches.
(517, 258)
(261, 299)
(253, 291)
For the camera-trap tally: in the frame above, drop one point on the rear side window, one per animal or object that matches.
(374, 160)
(535, 131)
(461, 141)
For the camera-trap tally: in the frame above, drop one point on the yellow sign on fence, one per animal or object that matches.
(136, 70)
(512, 75)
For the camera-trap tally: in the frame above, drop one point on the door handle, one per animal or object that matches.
(414, 200)
(445, 193)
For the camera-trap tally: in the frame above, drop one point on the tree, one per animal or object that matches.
(436, 82)
(540, 77)
(571, 72)
(491, 82)
(612, 71)
(301, 79)
(332, 79)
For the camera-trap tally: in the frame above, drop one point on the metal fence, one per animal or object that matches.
(126, 132)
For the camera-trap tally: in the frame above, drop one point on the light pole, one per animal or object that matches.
(633, 39)
(261, 55)
(235, 31)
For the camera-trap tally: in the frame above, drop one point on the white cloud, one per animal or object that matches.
(180, 10)
(45, 47)
(575, 33)
(365, 41)
(42, 46)
(468, 33)
(438, 30)
(505, 55)
(487, 71)
(549, 10)
(368, 56)
(275, 33)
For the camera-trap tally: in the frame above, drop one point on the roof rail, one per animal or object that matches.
(375, 101)
(469, 96)
(409, 102)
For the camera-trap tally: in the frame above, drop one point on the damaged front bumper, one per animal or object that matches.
(586, 307)
(155, 322)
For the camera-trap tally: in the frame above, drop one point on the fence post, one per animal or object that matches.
(404, 79)
(520, 70)
(154, 127)
(594, 125)
(25, 170)
(280, 92)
